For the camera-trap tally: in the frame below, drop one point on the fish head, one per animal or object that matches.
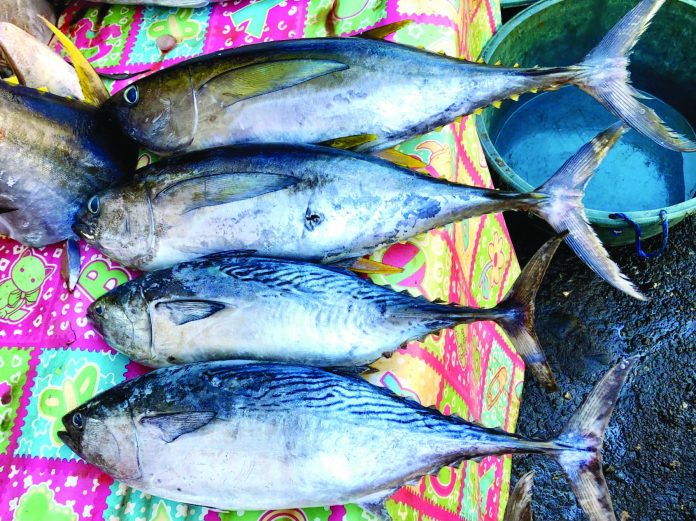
(118, 222)
(159, 111)
(121, 316)
(102, 433)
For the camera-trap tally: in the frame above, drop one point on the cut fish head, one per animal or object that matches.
(102, 433)
(158, 111)
(119, 223)
(122, 319)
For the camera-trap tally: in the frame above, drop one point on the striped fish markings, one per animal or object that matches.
(244, 436)
(240, 306)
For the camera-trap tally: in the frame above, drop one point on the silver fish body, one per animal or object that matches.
(236, 306)
(54, 154)
(304, 203)
(363, 93)
(316, 204)
(234, 435)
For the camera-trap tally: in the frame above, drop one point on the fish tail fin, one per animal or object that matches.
(604, 75)
(516, 313)
(559, 203)
(578, 446)
(519, 506)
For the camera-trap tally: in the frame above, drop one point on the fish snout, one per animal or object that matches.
(84, 229)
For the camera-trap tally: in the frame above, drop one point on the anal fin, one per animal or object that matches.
(70, 265)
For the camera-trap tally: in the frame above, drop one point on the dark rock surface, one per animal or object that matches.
(585, 326)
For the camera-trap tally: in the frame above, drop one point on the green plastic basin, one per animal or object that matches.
(526, 141)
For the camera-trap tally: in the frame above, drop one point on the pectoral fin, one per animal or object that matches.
(173, 425)
(215, 189)
(254, 80)
(184, 311)
(380, 33)
(7, 209)
(349, 142)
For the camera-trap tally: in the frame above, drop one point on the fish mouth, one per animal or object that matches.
(71, 443)
(83, 230)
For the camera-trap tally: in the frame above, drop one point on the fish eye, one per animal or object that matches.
(93, 205)
(77, 421)
(99, 310)
(131, 95)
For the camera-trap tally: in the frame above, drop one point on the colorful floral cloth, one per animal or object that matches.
(51, 359)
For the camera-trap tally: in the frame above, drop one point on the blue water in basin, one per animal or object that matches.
(538, 136)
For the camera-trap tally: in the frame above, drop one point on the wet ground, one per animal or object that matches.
(586, 326)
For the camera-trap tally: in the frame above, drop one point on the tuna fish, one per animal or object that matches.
(55, 153)
(316, 204)
(359, 93)
(244, 307)
(246, 436)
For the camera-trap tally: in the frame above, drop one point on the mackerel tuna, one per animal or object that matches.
(317, 204)
(244, 307)
(359, 93)
(246, 436)
(54, 153)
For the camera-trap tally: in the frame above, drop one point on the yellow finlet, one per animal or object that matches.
(498, 63)
(349, 142)
(399, 158)
(533, 91)
(497, 104)
(516, 66)
(371, 267)
(379, 33)
(12, 80)
(478, 111)
(92, 87)
(515, 97)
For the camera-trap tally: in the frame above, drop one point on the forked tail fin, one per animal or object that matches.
(516, 313)
(519, 507)
(604, 75)
(580, 443)
(562, 208)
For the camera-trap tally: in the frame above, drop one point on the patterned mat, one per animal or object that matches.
(52, 360)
